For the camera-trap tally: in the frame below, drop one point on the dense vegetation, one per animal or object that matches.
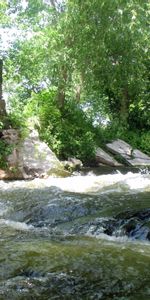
(74, 64)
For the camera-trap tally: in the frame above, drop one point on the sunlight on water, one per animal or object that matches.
(88, 183)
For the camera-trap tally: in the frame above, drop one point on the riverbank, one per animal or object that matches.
(29, 157)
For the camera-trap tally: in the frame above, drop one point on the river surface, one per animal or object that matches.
(81, 237)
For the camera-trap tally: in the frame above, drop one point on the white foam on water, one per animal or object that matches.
(103, 236)
(87, 184)
(124, 241)
(96, 184)
(138, 182)
(16, 225)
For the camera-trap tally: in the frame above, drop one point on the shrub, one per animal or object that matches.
(5, 150)
(67, 131)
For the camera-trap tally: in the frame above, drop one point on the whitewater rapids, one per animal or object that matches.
(87, 184)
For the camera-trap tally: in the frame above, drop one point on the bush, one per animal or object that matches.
(5, 150)
(66, 131)
(145, 142)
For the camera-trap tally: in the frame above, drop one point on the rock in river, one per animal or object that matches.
(30, 157)
(130, 156)
(105, 158)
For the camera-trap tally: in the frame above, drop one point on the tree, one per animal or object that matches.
(4, 22)
(110, 44)
(43, 59)
(1, 78)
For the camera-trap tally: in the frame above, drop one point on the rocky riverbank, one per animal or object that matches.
(31, 158)
(121, 153)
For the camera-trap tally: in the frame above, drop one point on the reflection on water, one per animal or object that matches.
(82, 237)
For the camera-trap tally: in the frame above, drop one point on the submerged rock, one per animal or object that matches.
(134, 225)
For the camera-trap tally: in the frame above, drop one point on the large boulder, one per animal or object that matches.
(130, 156)
(105, 158)
(30, 157)
(37, 159)
(139, 158)
(120, 147)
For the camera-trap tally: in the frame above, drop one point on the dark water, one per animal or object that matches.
(83, 237)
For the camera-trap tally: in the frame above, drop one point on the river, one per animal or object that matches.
(81, 237)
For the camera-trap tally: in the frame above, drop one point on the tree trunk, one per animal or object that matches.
(2, 101)
(78, 89)
(1, 79)
(53, 3)
(62, 88)
(61, 98)
(124, 107)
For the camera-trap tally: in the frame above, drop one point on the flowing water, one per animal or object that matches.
(81, 237)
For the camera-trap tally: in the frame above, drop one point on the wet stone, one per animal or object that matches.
(134, 225)
(148, 236)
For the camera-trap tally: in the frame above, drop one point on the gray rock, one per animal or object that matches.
(37, 159)
(77, 163)
(72, 164)
(11, 136)
(105, 158)
(139, 158)
(32, 158)
(125, 151)
(120, 147)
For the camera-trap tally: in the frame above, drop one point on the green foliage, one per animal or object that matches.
(140, 112)
(13, 120)
(66, 131)
(144, 141)
(1, 124)
(93, 53)
(5, 150)
(110, 43)
(9, 121)
(97, 47)
(3, 9)
(78, 138)
(16, 120)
